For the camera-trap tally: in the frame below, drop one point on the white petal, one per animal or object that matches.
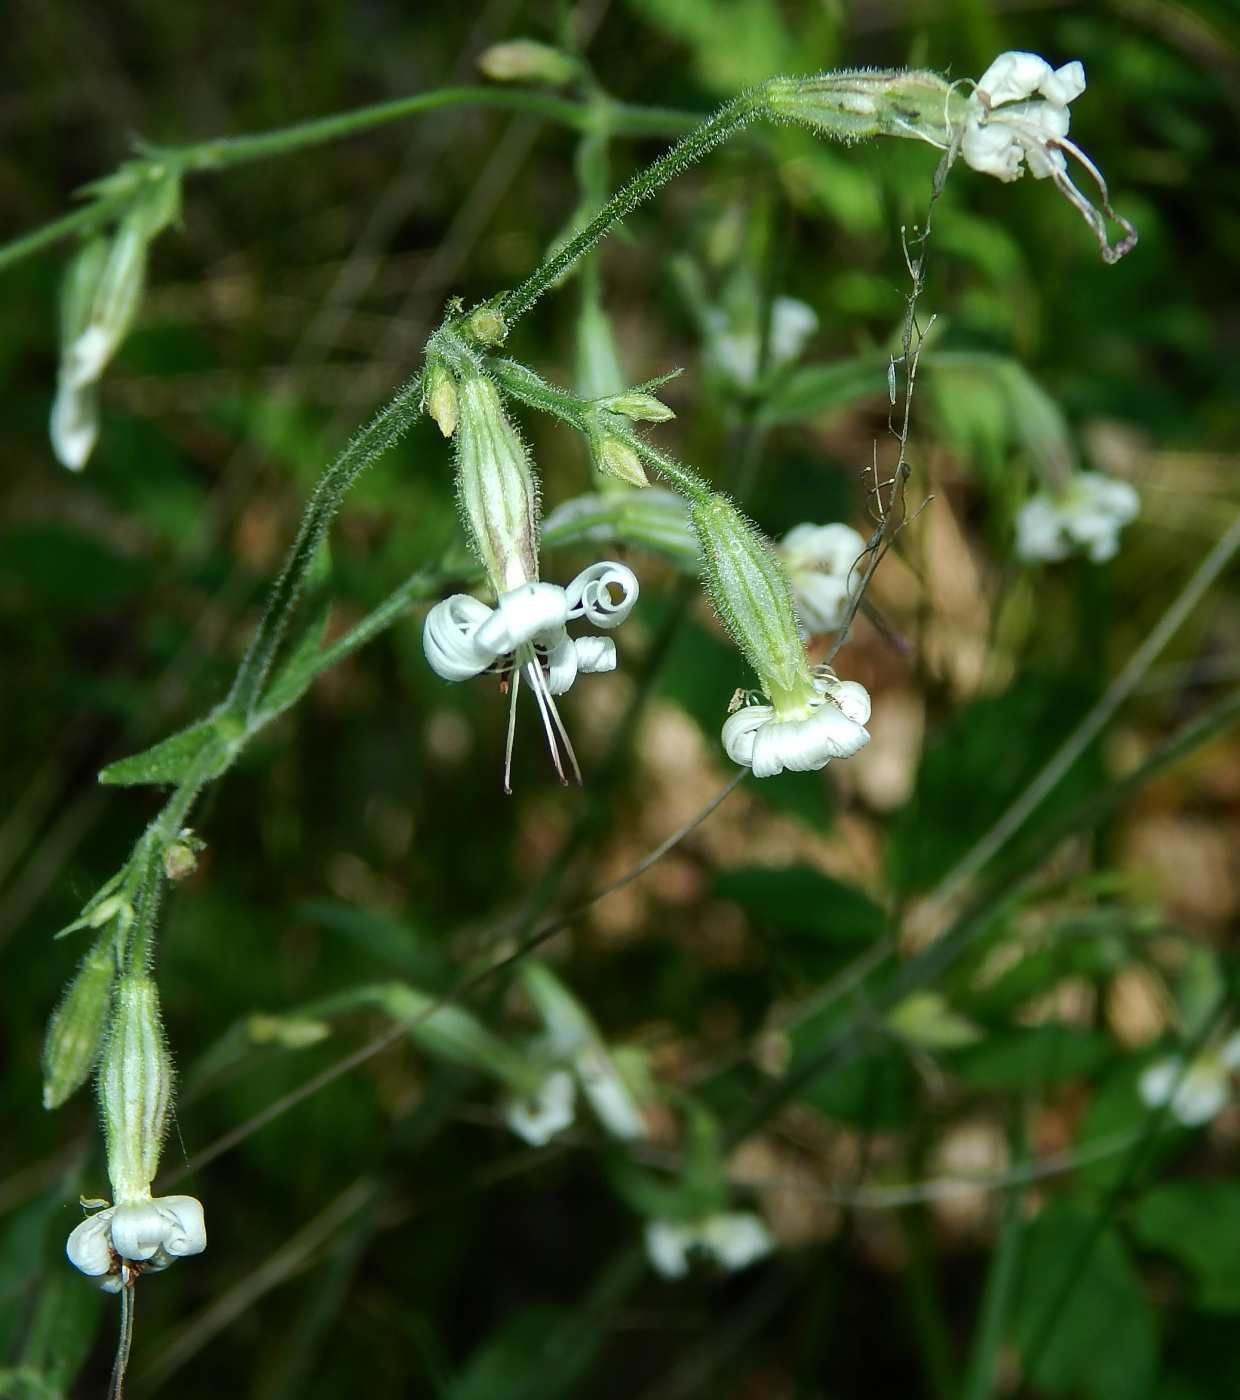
(792, 324)
(993, 149)
(537, 1120)
(89, 1246)
(736, 1238)
(521, 615)
(852, 698)
(739, 729)
(449, 638)
(609, 1096)
(563, 663)
(667, 1247)
(1065, 84)
(1013, 76)
(590, 594)
(595, 654)
(804, 745)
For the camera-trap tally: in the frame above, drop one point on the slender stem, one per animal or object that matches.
(1095, 721)
(696, 144)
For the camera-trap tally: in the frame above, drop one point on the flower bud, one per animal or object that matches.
(495, 487)
(616, 458)
(135, 1087)
(644, 408)
(486, 326)
(870, 102)
(441, 401)
(75, 1031)
(751, 595)
(527, 61)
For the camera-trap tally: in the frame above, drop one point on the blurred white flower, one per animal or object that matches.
(735, 351)
(1196, 1092)
(822, 564)
(733, 1239)
(141, 1235)
(1008, 129)
(1088, 514)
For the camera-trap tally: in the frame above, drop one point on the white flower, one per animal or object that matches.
(538, 1119)
(733, 1239)
(821, 562)
(1197, 1092)
(1088, 514)
(735, 351)
(1008, 129)
(143, 1234)
(832, 726)
(524, 635)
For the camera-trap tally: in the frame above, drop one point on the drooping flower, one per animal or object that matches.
(1088, 514)
(525, 634)
(823, 567)
(139, 1231)
(1009, 128)
(832, 725)
(733, 1239)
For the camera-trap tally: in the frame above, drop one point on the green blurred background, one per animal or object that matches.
(365, 836)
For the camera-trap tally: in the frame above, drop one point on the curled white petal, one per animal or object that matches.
(595, 654)
(563, 663)
(449, 638)
(89, 1246)
(521, 615)
(1013, 76)
(160, 1229)
(590, 594)
(538, 1119)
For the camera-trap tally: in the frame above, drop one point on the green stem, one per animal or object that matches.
(729, 119)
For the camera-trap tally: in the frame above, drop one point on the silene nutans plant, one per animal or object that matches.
(836, 997)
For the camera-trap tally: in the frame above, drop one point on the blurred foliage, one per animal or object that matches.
(387, 1235)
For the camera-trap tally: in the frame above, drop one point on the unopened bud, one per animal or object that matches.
(527, 61)
(870, 102)
(751, 594)
(441, 399)
(486, 325)
(495, 487)
(645, 408)
(181, 855)
(75, 1031)
(135, 1087)
(618, 459)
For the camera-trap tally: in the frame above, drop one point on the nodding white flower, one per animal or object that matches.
(1089, 513)
(735, 350)
(1196, 1092)
(1008, 128)
(733, 1239)
(830, 724)
(537, 1119)
(524, 635)
(823, 567)
(142, 1235)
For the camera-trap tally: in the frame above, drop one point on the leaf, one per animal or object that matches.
(815, 389)
(1038, 1055)
(1082, 1324)
(168, 762)
(1198, 1224)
